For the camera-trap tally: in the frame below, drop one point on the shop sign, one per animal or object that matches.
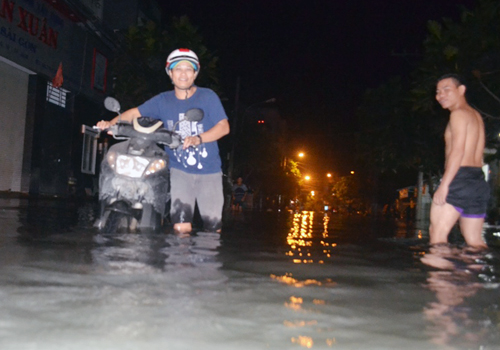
(36, 26)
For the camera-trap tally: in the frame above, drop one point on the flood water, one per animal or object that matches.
(269, 281)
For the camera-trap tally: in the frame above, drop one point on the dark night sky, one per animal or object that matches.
(316, 57)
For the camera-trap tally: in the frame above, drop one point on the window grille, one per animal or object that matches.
(89, 150)
(56, 96)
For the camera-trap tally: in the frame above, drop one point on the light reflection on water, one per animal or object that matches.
(301, 240)
(459, 274)
(304, 280)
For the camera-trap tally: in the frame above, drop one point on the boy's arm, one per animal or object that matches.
(458, 128)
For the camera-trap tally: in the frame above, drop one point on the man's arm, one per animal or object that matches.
(458, 129)
(127, 116)
(216, 132)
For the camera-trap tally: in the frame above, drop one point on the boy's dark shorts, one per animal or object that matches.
(469, 192)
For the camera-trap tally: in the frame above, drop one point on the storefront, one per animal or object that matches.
(53, 78)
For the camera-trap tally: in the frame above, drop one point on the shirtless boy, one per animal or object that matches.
(463, 193)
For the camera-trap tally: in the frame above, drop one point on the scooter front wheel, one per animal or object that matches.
(150, 218)
(113, 222)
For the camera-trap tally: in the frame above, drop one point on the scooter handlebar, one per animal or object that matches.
(163, 136)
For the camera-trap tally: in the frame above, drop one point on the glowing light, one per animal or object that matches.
(331, 341)
(299, 324)
(295, 303)
(288, 279)
(293, 306)
(300, 239)
(307, 177)
(328, 175)
(326, 220)
(352, 172)
(301, 154)
(306, 342)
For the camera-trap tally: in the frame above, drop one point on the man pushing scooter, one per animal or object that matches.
(195, 169)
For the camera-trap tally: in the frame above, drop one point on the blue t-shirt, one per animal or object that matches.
(239, 191)
(202, 159)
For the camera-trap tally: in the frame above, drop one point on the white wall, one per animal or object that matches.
(13, 98)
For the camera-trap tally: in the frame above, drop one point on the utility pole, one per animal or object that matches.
(234, 129)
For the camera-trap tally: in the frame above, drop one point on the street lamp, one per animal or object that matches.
(286, 160)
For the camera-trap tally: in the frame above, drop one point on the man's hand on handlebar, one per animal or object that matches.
(104, 125)
(192, 141)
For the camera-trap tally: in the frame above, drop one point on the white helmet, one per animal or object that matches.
(182, 55)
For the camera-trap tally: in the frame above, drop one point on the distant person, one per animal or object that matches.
(463, 192)
(195, 170)
(408, 214)
(240, 191)
(413, 207)
(411, 211)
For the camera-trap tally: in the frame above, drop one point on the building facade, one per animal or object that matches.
(55, 61)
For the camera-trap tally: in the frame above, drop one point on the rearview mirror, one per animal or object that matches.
(112, 104)
(194, 115)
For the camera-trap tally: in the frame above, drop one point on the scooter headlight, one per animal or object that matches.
(155, 166)
(111, 158)
(131, 166)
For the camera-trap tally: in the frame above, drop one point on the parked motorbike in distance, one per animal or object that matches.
(134, 177)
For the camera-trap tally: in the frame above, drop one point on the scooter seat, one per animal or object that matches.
(146, 125)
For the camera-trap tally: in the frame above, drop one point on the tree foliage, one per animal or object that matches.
(470, 48)
(346, 192)
(403, 126)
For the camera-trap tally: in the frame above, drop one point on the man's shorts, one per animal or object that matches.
(238, 201)
(469, 192)
(204, 189)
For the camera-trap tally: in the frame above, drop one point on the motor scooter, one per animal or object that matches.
(134, 178)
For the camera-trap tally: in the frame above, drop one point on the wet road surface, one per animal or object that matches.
(269, 281)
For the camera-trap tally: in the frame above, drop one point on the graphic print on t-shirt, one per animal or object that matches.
(192, 155)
